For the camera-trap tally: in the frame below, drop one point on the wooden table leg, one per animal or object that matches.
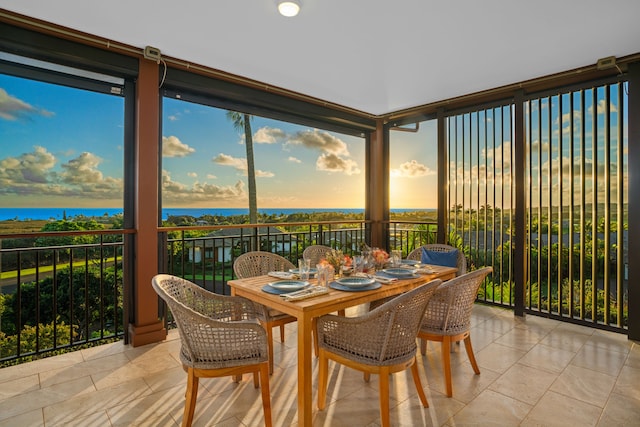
(305, 376)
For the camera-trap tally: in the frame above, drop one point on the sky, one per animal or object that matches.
(63, 147)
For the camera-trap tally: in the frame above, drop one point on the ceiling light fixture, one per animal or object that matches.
(288, 8)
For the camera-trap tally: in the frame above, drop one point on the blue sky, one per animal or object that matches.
(63, 147)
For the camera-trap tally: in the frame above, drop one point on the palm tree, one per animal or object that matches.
(243, 122)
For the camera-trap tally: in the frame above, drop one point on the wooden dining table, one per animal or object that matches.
(306, 310)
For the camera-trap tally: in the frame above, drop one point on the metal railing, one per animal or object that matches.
(60, 290)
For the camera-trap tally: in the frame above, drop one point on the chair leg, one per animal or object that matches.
(418, 383)
(266, 394)
(472, 358)
(446, 363)
(323, 367)
(269, 330)
(423, 346)
(281, 333)
(384, 397)
(256, 380)
(190, 398)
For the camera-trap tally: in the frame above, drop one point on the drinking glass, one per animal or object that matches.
(358, 264)
(304, 266)
(396, 258)
(323, 275)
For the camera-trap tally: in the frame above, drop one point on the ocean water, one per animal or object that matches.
(24, 214)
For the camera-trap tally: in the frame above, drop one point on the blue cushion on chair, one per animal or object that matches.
(447, 259)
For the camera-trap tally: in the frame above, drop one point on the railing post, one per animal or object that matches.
(519, 253)
(634, 201)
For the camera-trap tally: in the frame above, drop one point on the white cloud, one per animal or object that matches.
(175, 192)
(173, 147)
(192, 174)
(294, 160)
(12, 108)
(334, 163)
(323, 141)
(412, 169)
(268, 135)
(240, 165)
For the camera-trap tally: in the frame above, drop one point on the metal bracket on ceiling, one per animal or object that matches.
(406, 129)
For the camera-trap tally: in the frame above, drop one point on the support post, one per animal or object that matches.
(146, 327)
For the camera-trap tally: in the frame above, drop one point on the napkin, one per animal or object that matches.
(309, 292)
(385, 280)
(282, 275)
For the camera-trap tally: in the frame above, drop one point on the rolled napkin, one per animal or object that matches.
(309, 292)
(282, 275)
(385, 280)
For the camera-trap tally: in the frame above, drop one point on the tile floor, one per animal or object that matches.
(534, 372)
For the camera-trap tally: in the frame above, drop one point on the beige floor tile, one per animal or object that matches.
(547, 358)
(628, 382)
(99, 418)
(139, 367)
(522, 338)
(564, 339)
(524, 383)
(356, 409)
(32, 418)
(37, 366)
(621, 410)
(498, 357)
(83, 369)
(36, 399)
(18, 386)
(585, 385)
(151, 410)
(90, 403)
(610, 340)
(244, 403)
(556, 410)
(600, 359)
(492, 409)
(633, 358)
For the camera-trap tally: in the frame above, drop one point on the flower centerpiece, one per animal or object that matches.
(380, 257)
(336, 258)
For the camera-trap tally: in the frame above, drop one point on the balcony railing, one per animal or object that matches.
(63, 290)
(59, 290)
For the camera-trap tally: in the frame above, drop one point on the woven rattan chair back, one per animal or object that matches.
(315, 253)
(259, 263)
(217, 333)
(382, 341)
(461, 263)
(448, 317)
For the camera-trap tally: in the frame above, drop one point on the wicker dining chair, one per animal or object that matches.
(221, 336)
(461, 263)
(447, 318)
(315, 253)
(259, 263)
(382, 341)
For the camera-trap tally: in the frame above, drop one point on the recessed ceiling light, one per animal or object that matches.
(288, 8)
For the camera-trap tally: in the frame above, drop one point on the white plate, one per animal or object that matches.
(399, 272)
(289, 285)
(355, 282)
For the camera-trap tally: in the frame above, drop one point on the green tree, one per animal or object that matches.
(243, 122)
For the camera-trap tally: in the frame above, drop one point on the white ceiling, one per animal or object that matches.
(371, 55)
